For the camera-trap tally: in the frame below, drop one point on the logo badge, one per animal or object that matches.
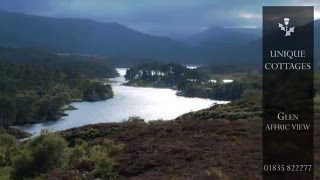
(286, 28)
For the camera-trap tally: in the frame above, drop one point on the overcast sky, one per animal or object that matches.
(161, 17)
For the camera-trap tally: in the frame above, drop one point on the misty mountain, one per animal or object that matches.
(219, 37)
(83, 36)
(217, 44)
(124, 46)
(317, 40)
(253, 50)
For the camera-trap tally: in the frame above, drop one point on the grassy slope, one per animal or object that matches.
(182, 148)
(208, 147)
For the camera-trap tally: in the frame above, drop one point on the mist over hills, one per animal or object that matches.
(125, 45)
(219, 37)
(317, 40)
(82, 36)
(253, 50)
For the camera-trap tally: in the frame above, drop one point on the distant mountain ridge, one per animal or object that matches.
(317, 39)
(224, 37)
(84, 36)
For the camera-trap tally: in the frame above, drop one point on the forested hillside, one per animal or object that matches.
(203, 82)
(36, 89)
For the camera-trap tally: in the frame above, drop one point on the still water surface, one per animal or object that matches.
(148, 103)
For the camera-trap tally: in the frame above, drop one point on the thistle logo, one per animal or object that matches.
(285, 28)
